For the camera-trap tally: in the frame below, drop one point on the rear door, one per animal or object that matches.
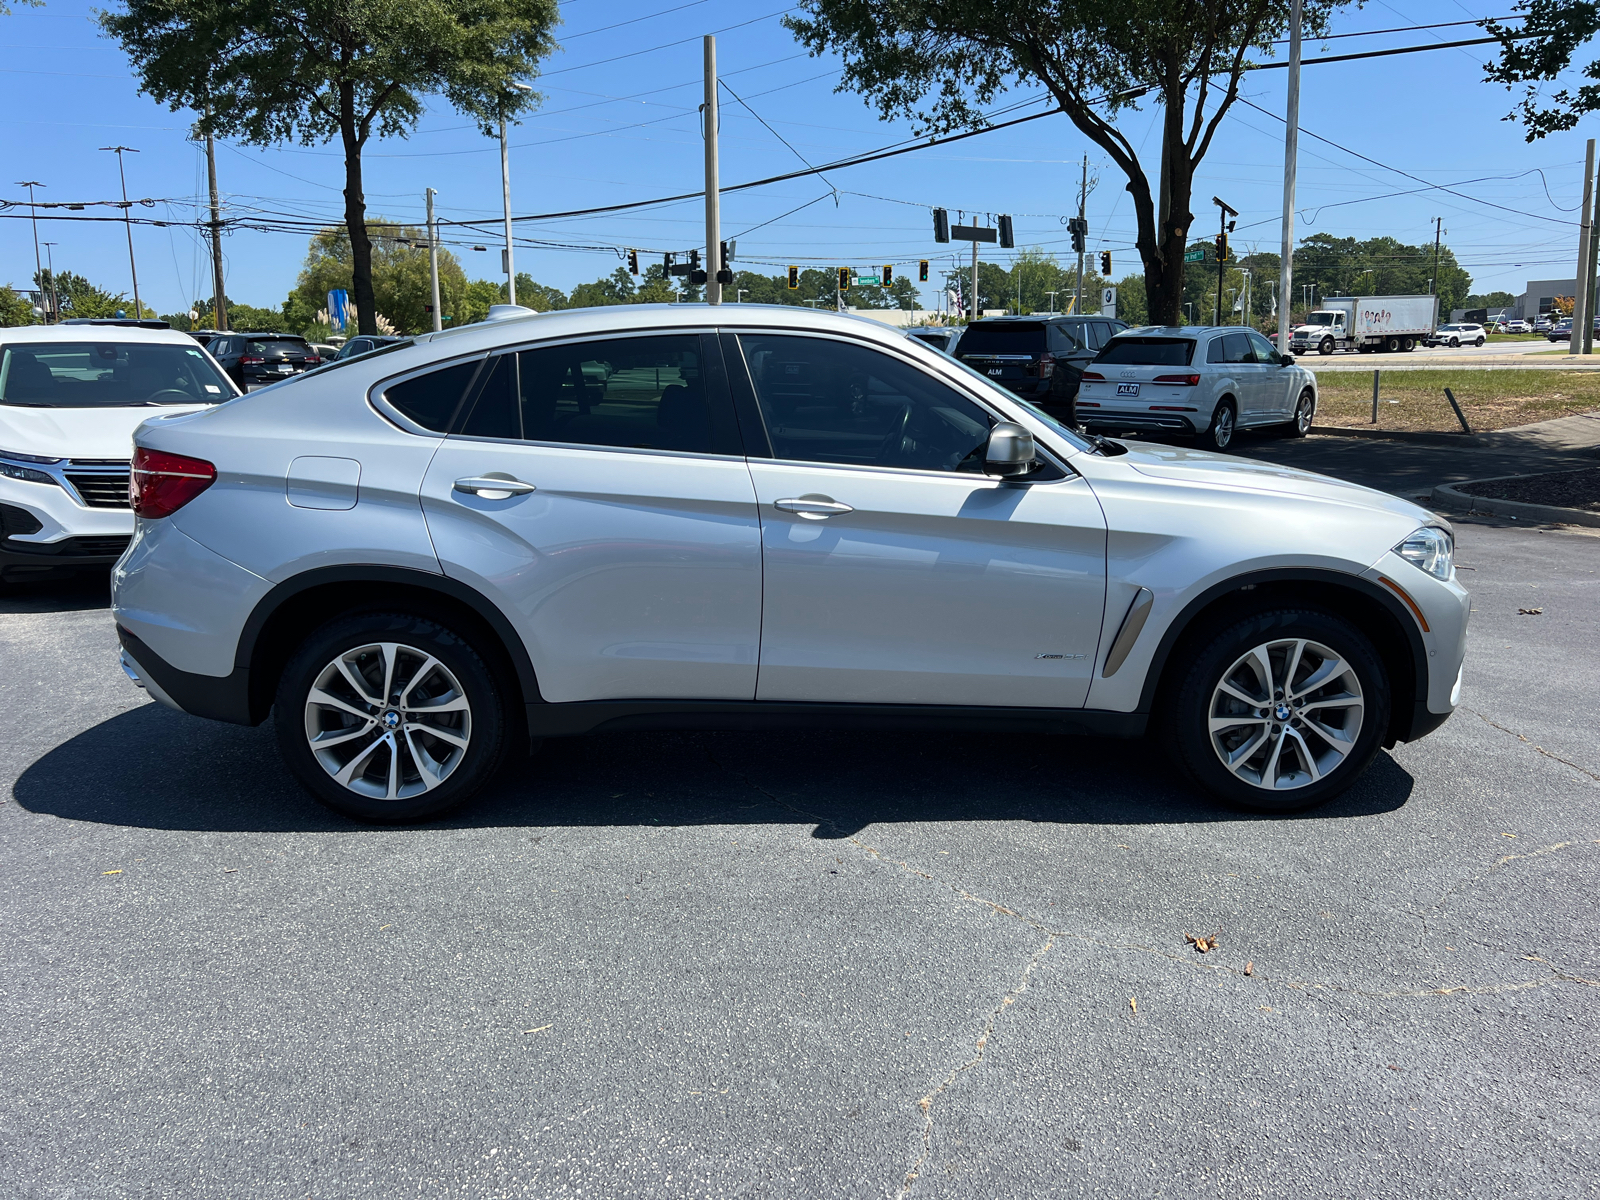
(622, 540)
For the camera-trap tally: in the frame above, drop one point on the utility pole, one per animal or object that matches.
(1581, 316)
(973, 306)
(127, 221)
(1438, 229)
(433, 263)
(38, 269)
(219, 301)
(1588, 288)
(1291, 158)
(55, 296)
(1223, 213)
(713, 198)
(1083, 203)
(505, 191)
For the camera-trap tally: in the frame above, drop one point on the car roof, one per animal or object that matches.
(1056, 317)
(45, 334)
(1186, 331)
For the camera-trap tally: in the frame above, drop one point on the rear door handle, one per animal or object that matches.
(494, 486)
(813, 507)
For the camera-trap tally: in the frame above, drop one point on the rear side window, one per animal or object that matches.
(1003, 337)
(1230, 348)
(430, 400)
(1064, 339)
(1148, 351)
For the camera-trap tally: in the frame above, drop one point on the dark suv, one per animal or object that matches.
(1039, 358)
(262, 358)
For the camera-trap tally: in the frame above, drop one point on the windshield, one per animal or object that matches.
(1008, 337)
(1324, 318)
(1148, 351)
(108, 375)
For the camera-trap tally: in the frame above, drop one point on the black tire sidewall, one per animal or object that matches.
(488, 741)
(1210, 435)
(1185, 715)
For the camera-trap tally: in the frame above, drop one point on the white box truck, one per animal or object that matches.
(1366, 323)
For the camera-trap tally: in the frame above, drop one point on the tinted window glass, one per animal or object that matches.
(828, 401)
(1266, 352)
(646, 393)
(277, 347)
(1098, 333)
(1148, 351)
(430, 400)
(108, 375)
(1003, 337)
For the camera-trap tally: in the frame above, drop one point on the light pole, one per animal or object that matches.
(433, 264)
(119, 151)
(55, 297)
(1052, 296)
(739, 297)
(505, 190)
(30, 184)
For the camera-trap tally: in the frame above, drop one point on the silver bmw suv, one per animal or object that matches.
(422, 561)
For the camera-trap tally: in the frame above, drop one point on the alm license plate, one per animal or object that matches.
(1127, 389)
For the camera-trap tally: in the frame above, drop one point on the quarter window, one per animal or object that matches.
(837, 402)
(431, 399)
(645, 393)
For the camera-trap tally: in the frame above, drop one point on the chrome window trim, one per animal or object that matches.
(592, 447)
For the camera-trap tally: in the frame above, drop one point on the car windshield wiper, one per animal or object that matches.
(1104, 445)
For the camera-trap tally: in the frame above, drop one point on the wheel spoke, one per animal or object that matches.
(425, 765)
(456, 702)
(1342, 701)
(354, 679)
(1330, 669)
(394, 767)
(391, 655)
(1262, 665)
(1269, 773)
(318, 696)
(1243, 754)
(1308, 759)
(1220, 723)
(417, 677)
(444, 735)
(1291, 665)
(348, 771)
(1229, 689)
(337, 737)
(1334, 737)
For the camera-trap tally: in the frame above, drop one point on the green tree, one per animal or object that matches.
(1130, 300)
(15, 309)
(1489, 300)
(534, 295)
(80, 298)
(940, 61)
(615, 288)
(1539, 49)
(267, 71)
(1381, 266)
(400, 280)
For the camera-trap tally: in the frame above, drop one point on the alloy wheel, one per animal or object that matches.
(1222, 428)
(1285, 714)
(388, 721)
(1304, 412)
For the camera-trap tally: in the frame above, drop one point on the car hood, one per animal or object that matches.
(76, 432)
(1183, 465)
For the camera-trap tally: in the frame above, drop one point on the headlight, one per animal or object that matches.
(27, 474)
(1429, 549)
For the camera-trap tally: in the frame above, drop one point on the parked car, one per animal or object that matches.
(1040, 359)
(1561, 331)
(1455, 336)
(326, 351)
(941, 339)
(1516, 325)
(422, 560)
(262, 358)
(70, 398)
(366, 344)
(1198, 380)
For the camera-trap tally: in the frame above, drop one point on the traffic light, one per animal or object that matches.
(724, 272)
(1079, 228)
(941, 225)
(696, 275)
(1105, 263)
(666, 265)
(1222, 247)
(1006, 242)
(794, 279)
(844, 279)
(888, 274)
(633, 262)
(922, 271)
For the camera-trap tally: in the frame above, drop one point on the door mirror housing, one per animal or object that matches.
(1010, 451)
(1286, 360)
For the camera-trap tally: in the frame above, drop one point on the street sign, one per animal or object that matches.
(1198, 254)
(868, 281)
(974, 233)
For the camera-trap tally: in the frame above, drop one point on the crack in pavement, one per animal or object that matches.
(1529, 740)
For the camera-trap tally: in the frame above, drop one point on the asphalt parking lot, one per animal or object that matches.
(806, 965)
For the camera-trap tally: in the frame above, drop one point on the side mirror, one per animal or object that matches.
(1286, 360)
(1010, 451)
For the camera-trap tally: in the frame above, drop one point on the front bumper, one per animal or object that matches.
(1444, 605)
(48, 527)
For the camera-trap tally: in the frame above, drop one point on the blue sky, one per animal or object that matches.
(617, 124)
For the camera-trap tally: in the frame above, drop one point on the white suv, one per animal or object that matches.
(71, 396)
(1457, 335)
(1205, 380)
(745, 517)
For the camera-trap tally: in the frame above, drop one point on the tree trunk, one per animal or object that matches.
(355, 216)
(1163, 238)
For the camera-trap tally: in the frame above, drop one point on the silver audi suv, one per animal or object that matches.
(422, 561)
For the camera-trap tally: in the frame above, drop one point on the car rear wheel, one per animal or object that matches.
(1392, 345)
(390, 717)
(1280, 711)
(1223, 421)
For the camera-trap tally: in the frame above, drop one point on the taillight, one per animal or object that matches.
(313, 359)
(1184, 380)
(162, 483)
(1095, 375)
(1047, 365)
(251, 362)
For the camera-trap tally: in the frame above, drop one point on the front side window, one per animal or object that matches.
(645, 393)
(838, 402)
(1265, 351)
(108, 375)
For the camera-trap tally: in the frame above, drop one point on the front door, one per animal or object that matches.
(895, 571)
(624, 543)
(1277, 385)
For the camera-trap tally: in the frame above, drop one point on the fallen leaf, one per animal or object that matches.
(1510, 835)
(1133, 1003)
(1203, 944)
(1250, 967)
(1392, 1067)
(541, 1028)
(925, 1104)
(1529, 612)
(118, 871)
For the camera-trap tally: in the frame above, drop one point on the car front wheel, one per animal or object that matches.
(389, 717)
(1326, 346)
(1280, 711)
(1305, 412)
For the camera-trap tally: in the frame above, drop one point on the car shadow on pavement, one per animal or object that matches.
(154, 768)
(75, 592)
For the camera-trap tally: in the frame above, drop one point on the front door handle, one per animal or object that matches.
(813, 507)
(496, 485)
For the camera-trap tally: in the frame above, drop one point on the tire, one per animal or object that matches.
(1325, 347)
(396, 778)
(1455, 343)
(1479, 342)
(1224, 426)
(1392, 345)
(1408, 343)
(1305, 413)
(1340, 741)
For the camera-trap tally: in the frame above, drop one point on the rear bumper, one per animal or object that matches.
(225, 698)
(1100, 421)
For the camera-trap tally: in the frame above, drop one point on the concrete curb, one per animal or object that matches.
(1451, 497)
(1401, 435)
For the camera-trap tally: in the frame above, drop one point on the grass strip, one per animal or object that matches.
(1414, 400)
